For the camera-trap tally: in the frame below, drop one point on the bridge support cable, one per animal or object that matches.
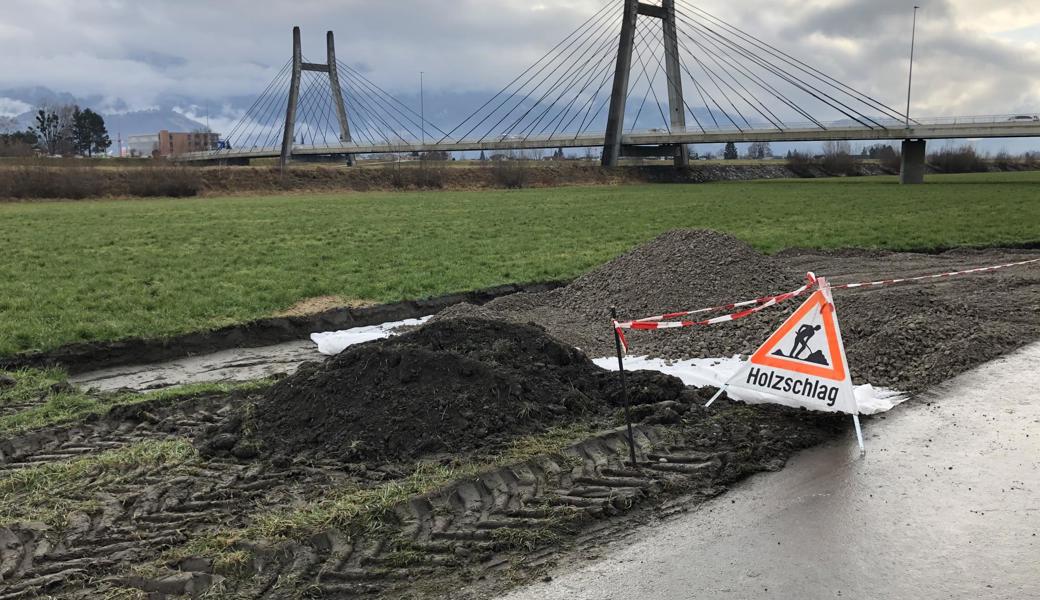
(393, 128)
(564, 81)
(360, 128)
(811, 80)
(678, 122)
(601, 72)
(377, 127)
(377, 114)
(390, 106)
(606, 10)
(793, 61)
(578, 79)
(558, 69)
(712, 77)
(734, 60)
(732, 69)
(242, 128)
(390, 98)
(810, 90)
(665, 121)
(588, 115)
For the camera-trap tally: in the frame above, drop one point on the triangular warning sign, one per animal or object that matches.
(804, 360)
(808, 342)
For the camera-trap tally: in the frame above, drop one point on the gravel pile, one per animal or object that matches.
(906, 337)
(681, 269)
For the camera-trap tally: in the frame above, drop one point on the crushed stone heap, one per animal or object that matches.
(678, 270)
(905, 337)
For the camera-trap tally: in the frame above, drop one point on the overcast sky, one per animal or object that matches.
(974, 56)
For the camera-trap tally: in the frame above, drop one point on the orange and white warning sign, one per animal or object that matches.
(804, 360)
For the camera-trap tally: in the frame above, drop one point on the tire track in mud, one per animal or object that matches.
(524, 514)
(485, 527)
(520, 512)
(147, 511)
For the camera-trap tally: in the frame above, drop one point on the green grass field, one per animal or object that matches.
(75, 271)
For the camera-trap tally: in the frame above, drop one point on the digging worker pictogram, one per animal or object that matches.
(801, 339)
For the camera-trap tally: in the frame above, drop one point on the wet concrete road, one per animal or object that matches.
(946, 504)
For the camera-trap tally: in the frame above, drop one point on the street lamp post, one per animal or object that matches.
(910, 82)
(422, 109)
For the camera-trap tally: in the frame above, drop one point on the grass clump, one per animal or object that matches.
(43, 398)
(29, 386)
(516, 538)
(49, 492)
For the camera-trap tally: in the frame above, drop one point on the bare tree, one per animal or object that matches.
(759, 150)
(836, 148)
(838, 159)
(54, 128)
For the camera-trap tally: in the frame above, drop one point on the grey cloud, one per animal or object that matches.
(147, 53)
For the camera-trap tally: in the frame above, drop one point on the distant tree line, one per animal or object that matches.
(64, 130)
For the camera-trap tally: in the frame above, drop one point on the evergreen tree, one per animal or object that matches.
(730, 153)
(89, 134)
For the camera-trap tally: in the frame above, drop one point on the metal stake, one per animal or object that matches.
(624, 386)
(859, 433)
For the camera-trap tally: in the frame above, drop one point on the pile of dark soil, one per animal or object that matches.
(906, 337)
(455, 385)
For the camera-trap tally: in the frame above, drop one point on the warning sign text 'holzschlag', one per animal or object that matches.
(804, 360)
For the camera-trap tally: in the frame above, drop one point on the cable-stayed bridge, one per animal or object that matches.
(635, 79)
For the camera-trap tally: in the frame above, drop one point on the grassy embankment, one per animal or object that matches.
(89, 271)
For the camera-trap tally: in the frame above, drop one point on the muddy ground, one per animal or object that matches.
(322, 502)
(142, 532)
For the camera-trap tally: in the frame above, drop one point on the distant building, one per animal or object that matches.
(170, 143)
(142, 146)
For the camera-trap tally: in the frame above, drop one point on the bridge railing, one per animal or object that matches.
(1016, 121)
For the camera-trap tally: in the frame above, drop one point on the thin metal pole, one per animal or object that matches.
(422, 109)
(624, 387)
(910, 82)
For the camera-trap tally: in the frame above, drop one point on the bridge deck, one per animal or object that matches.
(936, 130)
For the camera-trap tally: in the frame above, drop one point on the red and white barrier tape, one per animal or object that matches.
(849, 286)
(809, 277)
(659, 322)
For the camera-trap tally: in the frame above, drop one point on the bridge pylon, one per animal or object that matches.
(612, 147)
(298, 67)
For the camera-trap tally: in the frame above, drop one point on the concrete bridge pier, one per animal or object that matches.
(912, 168)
